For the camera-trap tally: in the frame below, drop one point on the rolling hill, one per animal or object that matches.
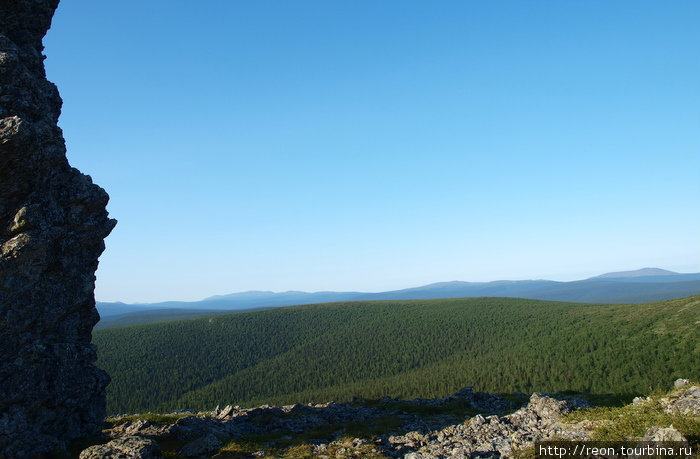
(643, 285)
(419, 348)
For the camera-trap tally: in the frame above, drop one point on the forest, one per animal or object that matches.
(403, 349)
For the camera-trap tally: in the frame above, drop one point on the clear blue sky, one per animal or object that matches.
(373, 145)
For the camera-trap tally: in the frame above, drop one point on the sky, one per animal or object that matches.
(377, 145)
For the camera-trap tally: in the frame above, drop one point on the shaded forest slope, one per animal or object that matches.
(404, 349)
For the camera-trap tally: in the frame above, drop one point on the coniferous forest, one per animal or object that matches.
(406, 349)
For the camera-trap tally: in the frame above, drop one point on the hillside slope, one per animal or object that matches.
(406, 349)
(641, 286)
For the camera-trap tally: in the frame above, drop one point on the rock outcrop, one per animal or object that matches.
(684, 402)
(52, 225)
(466, 424)
(492, 436)
(659, 433)
(432, 428)
(125, 447)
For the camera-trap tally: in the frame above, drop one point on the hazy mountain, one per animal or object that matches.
(458, 289)
(643, 285)
(644, 272)
(255, 298)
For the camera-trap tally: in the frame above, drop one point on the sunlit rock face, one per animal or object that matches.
(53, 223)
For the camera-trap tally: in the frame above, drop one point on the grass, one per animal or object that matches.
(612, 420)
(618, 423)
(456, 407)
(340, 436)
(170, 447)
(616, 420)
(598, 400)
(299, 444)
(328, 432)
(340, 448)
(362, 451)
(609, 399)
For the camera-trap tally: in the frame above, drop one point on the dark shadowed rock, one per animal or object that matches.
(52, 225)
(202, 447)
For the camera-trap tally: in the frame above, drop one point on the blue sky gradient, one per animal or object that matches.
(342, 145)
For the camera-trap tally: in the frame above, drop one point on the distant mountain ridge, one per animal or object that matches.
(639, 286)
(644, 272)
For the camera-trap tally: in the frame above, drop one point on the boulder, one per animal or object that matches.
(684, 403)
(659, 433)
(129, 447)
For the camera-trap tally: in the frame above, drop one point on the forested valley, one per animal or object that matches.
(406, 349)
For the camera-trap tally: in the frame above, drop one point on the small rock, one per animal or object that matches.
(357, 442)
(547, 407)
(687, 403)
(659, 433)
(133, 428)
(226, 412)
(129, 447)
(678, 383)
(477, 420)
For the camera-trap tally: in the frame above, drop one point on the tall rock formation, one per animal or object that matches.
(52, 225)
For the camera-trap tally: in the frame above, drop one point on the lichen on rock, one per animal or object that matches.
(132, 446)
(53, 222)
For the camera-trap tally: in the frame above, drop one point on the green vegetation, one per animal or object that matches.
(632, 421)
(357, 438)
(458, 408)
(298, 444)
(124, 320)
(276, 446)
(403, 349)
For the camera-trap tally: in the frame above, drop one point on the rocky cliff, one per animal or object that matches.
(52, 226)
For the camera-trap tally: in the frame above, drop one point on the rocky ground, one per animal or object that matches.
(466, 424)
